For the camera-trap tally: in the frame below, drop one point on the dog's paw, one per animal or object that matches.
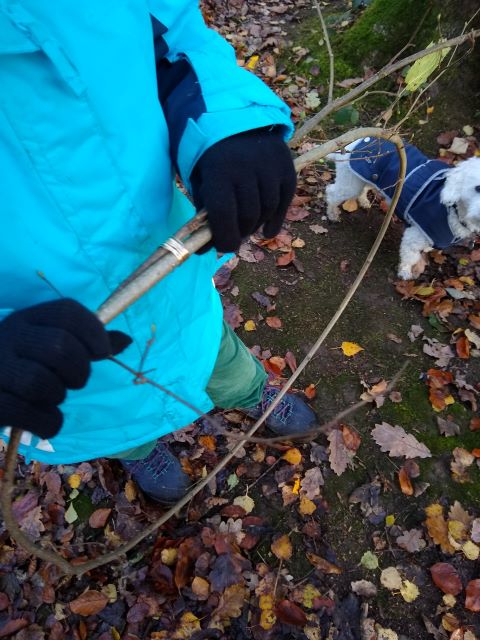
(405, 273)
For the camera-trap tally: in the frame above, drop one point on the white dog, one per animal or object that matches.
(440, 204)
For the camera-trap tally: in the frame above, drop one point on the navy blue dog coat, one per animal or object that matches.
(376, 161)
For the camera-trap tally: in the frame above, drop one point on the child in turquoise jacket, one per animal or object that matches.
(101, 105)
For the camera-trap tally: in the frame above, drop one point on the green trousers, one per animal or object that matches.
(237, 380)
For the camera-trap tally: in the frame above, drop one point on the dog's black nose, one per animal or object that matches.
(477, 188)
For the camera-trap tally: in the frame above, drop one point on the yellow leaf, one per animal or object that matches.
(409, 591)
(169, 556)
(351, 348)
(470, 550)
(449, 400)
(110, 590)
(293, 456)
(267, 619)
(307, 506)
(296, 486)
(130, 490)
(350, 205)
(201, 587)
(422, 69)
(390, 520)
(245, 502)
(430, 110)
(75, 480)
(467, 280)
(252, 63)
(115, 634)
(282, 548)
(456, 529)
(424, 291)
(449, 600)
(266, 601)
(189, 623)
(298, 243)
(309, 594)
(249, 325)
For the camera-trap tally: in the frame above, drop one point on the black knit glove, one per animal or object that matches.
(45, 350)
(244, 181)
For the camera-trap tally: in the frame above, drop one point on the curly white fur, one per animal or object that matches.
(460, 194)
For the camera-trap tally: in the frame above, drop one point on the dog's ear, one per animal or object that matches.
(452, 190)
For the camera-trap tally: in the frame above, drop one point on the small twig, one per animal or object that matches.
(341, 101)
(330, 52)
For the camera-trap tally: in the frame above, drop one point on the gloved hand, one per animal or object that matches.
(244, 181)
(45, 350)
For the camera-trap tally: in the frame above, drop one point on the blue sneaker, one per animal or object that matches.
(290, 417)
(159, 475)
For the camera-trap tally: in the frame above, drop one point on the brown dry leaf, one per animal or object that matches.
(457, 512)
(323, 565)
(463, 348)
(310, 391)
(447, 427)
(274, 322)
(230, 606)
(201, 587)
(462, 460)
(130, 490)
(99, 518)
(207, 442)
(307, 506)
(397, 442)
(282, 548)
(312, 482)
(404, 481)
(89, 603)
(412, 541)
(294, 214)
(350, 437)
(339, 455)
(188, 624)
(350, 205)
(437, 527)
(290, 613)
(446, 578)
(285, 259)
(472, 601)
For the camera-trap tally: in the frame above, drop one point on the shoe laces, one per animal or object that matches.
(156, 463)
(283, 410)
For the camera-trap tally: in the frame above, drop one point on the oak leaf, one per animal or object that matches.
(412, 541)
(230, 606)
(397, 442)
(339, 455)
(437, 527)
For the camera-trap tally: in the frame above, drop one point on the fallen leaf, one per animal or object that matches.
(99, 518)
(200, 587)
(463, 348)
(350, 205)
(89, 603)
(364, 588)
(351, 348)
(282, 548)
(397, 442)
(412, 541)
(294, 214)
(249, 325)
(323, 565)
(311, 392)
(285, 259)
(470, 550)
(317, 228)
(405, 482)
(391, 579)
(369, 560)
(245, 502)
(339, 455)
(437, 527)
(188, 624)
(130, 490)
(447, 427)
(289, 613)
(462, 460)
(307, 506)
(312, 482)
(351, 438)
(75, 480)
(273, 322)
(230, 606)
(472, 601)
(293, 456)
(409, 591)
(446, 578)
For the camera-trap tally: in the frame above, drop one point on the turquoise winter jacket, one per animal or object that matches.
(88, 148)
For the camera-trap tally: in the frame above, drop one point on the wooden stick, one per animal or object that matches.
(117, 303)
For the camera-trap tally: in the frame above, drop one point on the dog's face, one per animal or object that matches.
(462, 188)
